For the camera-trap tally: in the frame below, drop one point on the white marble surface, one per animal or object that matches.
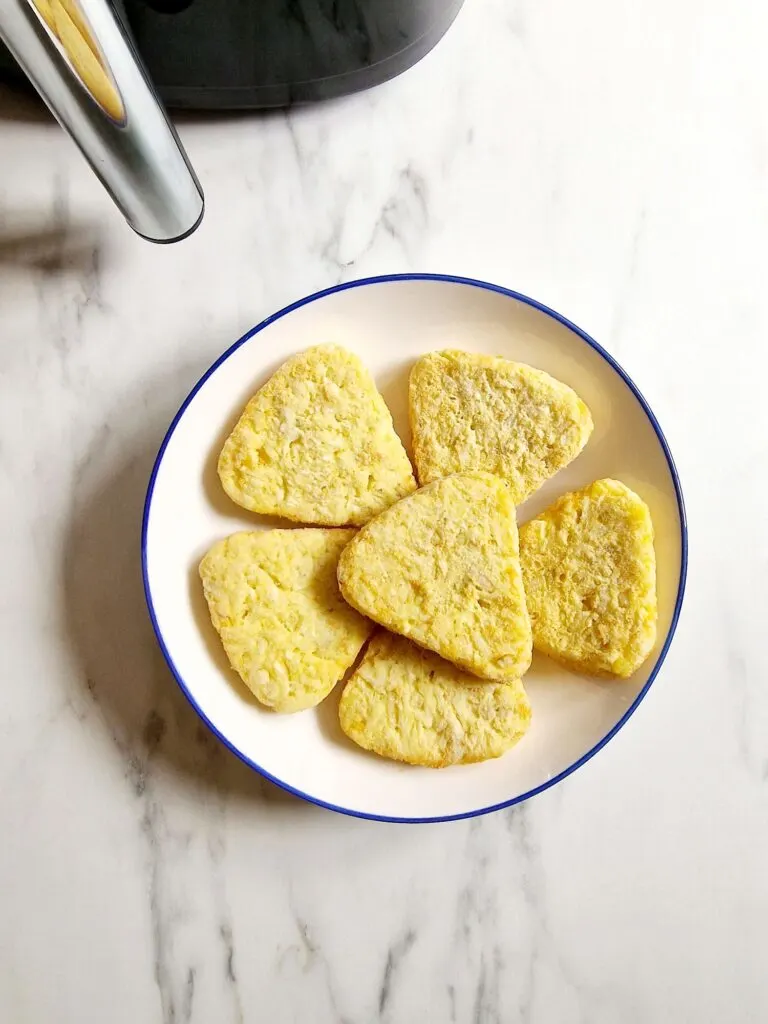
(606, 157)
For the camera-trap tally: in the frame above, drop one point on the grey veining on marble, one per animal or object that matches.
(607, 158)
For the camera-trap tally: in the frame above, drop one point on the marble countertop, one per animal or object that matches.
(609, 159)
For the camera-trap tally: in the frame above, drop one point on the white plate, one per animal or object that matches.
(389, 322)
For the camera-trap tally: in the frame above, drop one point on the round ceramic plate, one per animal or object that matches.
(389, 322)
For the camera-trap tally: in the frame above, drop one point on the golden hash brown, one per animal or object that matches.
(408, 704)
(316, 444)
(590, 579)
(274, 600)
(471, 412)
(442, 567)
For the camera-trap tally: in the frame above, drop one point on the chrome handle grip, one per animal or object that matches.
(80, 59)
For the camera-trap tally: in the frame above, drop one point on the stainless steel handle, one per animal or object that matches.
(80, 59)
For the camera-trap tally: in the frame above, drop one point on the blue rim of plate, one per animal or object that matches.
(473, 283)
